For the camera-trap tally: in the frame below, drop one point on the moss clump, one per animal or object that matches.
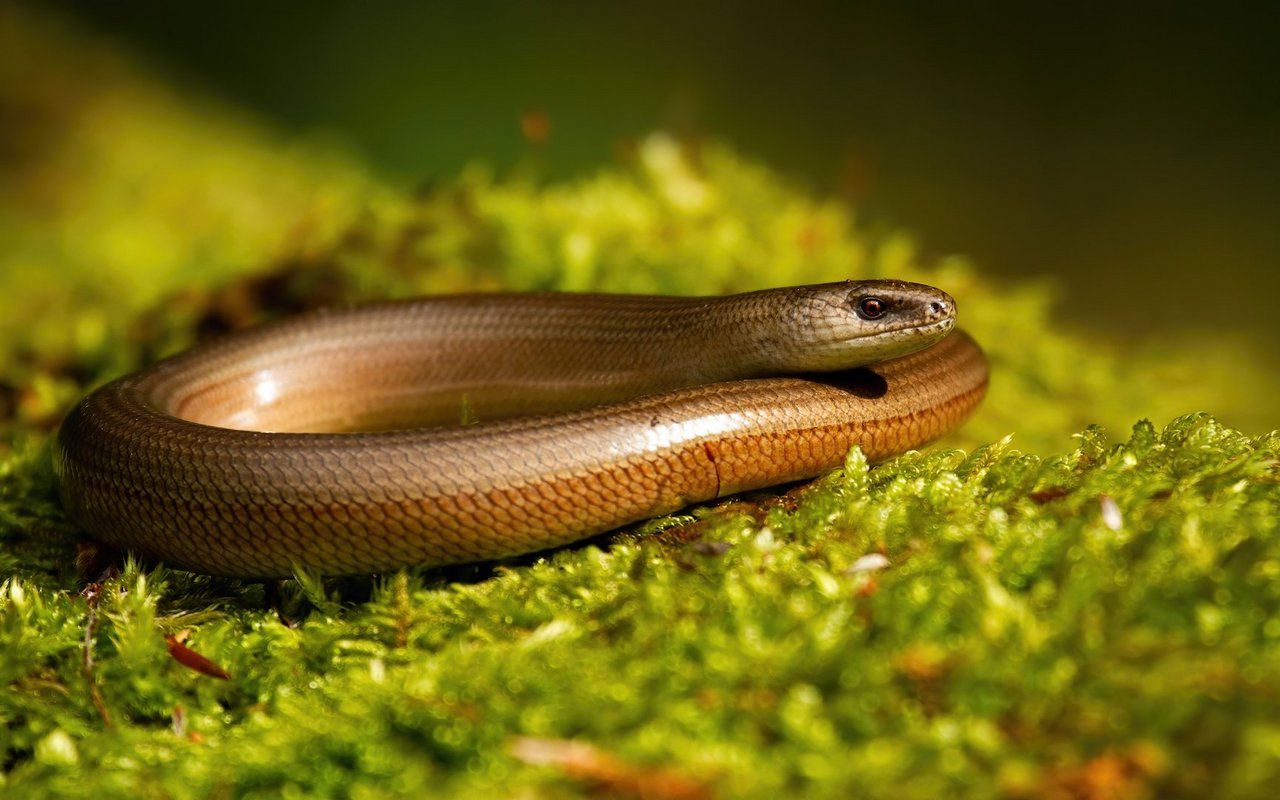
(996, 624)
(1100, 622)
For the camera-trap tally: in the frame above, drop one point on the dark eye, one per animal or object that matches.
(871, 307)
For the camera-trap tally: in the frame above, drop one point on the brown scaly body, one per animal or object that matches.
(175, 464)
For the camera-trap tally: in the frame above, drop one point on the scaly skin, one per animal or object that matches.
(174, 464)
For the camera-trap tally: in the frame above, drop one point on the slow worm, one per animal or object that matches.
(330, 441)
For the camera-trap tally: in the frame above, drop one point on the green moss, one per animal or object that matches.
(1005, 623)
(1015, 639)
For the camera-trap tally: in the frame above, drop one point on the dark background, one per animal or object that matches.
(1131, 154)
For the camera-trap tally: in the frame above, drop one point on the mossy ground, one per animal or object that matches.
(1046, 616)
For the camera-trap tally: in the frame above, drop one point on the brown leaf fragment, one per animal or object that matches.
(535, 126)
(192, 660)
(1049, 495)
(604, 772)
(1130, 774)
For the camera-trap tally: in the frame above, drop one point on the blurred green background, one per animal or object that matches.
(1127, 154)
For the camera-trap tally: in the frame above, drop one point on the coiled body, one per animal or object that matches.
(176, 462)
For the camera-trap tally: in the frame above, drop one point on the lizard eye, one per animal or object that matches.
(871, 307)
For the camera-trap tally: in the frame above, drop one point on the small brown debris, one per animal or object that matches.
(191, 659)
(604, 772)
(1049, 495)
(535, 126)
(1126, 775)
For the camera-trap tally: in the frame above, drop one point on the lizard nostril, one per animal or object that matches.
(936, 307)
